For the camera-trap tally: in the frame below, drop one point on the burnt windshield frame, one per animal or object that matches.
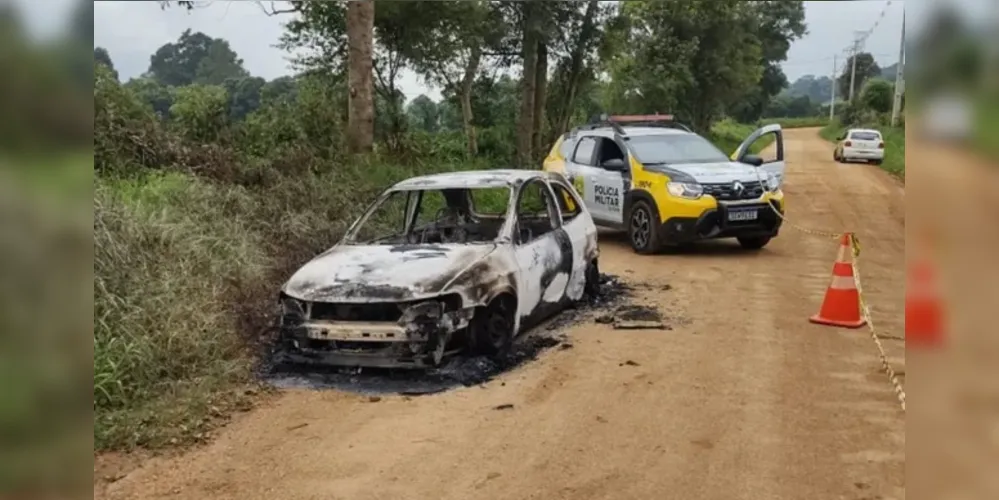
(413, 203)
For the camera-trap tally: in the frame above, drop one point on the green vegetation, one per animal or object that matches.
(805, 122)
(729, 134)
(212, 185)
(987, 125)
(805, 103)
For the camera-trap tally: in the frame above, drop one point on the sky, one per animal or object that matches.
(132, 31)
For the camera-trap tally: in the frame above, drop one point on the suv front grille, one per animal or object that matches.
(727, 192)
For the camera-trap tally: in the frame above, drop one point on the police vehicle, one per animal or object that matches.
(665, 185)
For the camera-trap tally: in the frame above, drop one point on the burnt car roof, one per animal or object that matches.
(471, 179)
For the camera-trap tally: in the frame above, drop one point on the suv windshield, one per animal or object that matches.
(434, 216)
(675, 149)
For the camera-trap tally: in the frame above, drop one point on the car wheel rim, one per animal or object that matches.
(640, 227)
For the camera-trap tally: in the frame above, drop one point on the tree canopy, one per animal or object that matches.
(521, 72)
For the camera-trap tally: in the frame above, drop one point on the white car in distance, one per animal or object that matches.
(859, 144)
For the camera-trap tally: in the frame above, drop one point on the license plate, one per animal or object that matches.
(742, 215)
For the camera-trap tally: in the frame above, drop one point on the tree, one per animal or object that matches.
(867, 68)
(569, 74)
(153, 94)
(339, 40)
(687, 57)
(423, 114)
(200, 112)
(360, 43)
(219, 64)
(176, 64)
(817, 89)
(878, 95)
(532, 12)
(101, 56)
(776, 24)
(195, 58)
(244, 95)
(278, 89)
(449, 48)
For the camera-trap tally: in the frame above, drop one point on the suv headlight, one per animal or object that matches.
(773, 183)
(687, 190)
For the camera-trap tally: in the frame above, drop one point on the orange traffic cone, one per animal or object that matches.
(923, 308)
(841, 306)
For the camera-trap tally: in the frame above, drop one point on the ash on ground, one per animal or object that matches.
(459, 371)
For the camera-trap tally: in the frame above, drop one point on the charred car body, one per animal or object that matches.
(442, 263)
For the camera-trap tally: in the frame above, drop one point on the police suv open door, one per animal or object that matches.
(772, 164)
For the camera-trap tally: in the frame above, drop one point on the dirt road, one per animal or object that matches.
(743, 399)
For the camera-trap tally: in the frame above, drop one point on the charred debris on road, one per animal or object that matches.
(459, 370)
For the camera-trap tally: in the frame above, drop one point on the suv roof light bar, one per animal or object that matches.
(616, 122)
(638, 118)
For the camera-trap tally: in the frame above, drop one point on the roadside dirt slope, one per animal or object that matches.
(743, 399)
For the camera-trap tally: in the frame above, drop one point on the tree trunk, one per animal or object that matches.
(471, 69)
(361, 102)
(525, 132)
(540, 97)
(576, 66)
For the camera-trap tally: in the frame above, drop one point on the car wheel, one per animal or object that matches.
(492, 327)
(835, 156)
(591, 283)
(643, 228)
(754, 243)
(877, 162)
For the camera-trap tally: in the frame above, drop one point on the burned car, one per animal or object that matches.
(440, 264)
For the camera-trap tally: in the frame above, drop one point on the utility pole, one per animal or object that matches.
(853, 66)
(896, 107)
(835, 82)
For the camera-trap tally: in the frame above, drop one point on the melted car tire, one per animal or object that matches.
(492, 327)
(591, 283)
(642, 210)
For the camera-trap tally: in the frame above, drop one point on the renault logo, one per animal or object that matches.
(738, 187)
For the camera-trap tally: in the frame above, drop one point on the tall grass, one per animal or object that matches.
(728, 134)
(805, 122)
(171, 254)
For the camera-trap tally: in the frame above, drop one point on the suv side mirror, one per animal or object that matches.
(753, 160)
(614, 164)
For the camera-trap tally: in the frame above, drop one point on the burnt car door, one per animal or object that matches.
(543, 252)
(582, 235)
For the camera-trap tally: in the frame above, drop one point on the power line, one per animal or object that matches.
(830, 58)
(864, 35)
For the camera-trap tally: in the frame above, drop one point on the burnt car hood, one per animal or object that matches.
(381, 273)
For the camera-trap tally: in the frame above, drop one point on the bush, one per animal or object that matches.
(806, 122)
(172, 255)
(201, 112)
(878, 95)
(729, 134)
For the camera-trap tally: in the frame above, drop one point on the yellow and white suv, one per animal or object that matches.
(665, 185)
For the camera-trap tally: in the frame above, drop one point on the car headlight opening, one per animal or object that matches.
(773, 183)
(689, 190)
